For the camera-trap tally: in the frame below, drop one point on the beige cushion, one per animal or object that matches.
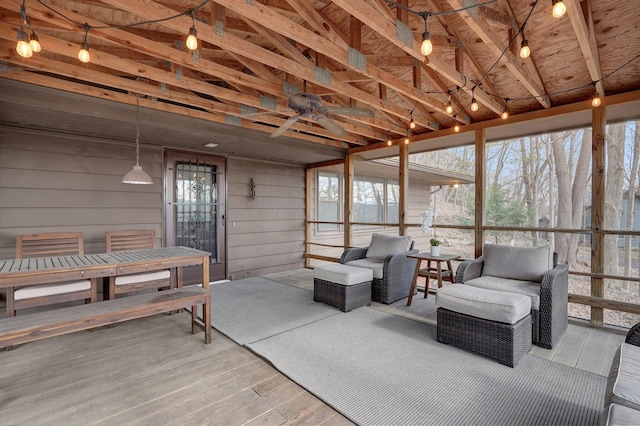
(619, 415)
(376, 266)
(518, 263)
(142, 277)
(623, 386)
(529, 288)
(488, 304)
(50, 289)
(342, 274)
(383, 245)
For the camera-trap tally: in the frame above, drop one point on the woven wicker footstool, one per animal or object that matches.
(496, 324)
(342, 286)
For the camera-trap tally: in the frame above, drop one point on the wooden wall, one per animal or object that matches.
(58, 183)
(265, 234)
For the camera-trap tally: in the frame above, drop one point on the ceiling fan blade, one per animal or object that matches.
(287, 124)
(330, 125)
(356, 112)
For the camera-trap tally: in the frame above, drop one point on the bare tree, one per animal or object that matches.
(614, 186)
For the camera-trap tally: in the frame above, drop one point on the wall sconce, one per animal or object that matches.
(253, 189)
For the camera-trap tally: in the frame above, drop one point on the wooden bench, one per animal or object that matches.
(40, 325)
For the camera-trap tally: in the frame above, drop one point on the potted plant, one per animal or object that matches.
(435, 247)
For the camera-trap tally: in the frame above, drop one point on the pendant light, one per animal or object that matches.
(137, 176)
(474, 103)
(525, 51)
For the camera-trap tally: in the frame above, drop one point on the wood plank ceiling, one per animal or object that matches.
(253, 54)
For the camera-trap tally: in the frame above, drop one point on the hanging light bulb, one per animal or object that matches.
(34, 43)
(23, 47)
(456, 128)
(192, 40)
(525, 51)
(505, 112)
(449, 108)
(474, 103)
(389, 143)
(137, 176)
(412, 124)
(426, 47)
(559, 9)
(83, 54)
(406, 140)
(596, 101)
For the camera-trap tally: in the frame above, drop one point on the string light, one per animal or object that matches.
(426, 47)
(456, 128)
(525, 51)
(505, 112)
(596, 101)
(192, 40)
(412, 124)
(83, 54)
(474, 103)
(559, 9)
(34, 43)
(22, 47)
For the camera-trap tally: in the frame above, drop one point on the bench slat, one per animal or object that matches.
(40, 325)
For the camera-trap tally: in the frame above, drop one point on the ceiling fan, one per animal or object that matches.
(309, 105)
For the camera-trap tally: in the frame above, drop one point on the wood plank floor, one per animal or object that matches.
(152, 371)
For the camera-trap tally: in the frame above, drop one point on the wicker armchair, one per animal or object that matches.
(633, 335)
(547, 286)
(392, 269)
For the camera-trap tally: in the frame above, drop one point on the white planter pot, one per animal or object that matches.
(435, 250)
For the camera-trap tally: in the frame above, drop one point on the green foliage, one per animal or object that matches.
(503, 211)
(434, 242)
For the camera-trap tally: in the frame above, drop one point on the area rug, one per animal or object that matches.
(254, 308)
(382, 369)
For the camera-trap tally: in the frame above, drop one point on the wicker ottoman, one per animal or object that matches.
(342, 286)
(496, 324)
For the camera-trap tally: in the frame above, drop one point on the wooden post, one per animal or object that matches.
(598, 146)
(480, 191)
(348, 200)
(310, 174)
(403, 180)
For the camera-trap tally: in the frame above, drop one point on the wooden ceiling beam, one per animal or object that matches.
(582, 22)
(276, 22)
(531, 82)
(317, 22)
(281, 43)
(148, 9)
(386, 28)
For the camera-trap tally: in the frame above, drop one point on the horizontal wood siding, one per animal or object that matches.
(59, 183)
(265, 234)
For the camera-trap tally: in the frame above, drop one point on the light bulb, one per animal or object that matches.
(389, 143)
(192, 41)
(596, 101)
(504, 115)
(474, 105)
(525, 51)
(449, 108)
(426, 48)
(83, 54)
(23, 47)
(456, 128)
(406, 141)
(559, 9)
(412, 124)
(34, 43)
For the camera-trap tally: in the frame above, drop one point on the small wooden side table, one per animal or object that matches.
(431, 272)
